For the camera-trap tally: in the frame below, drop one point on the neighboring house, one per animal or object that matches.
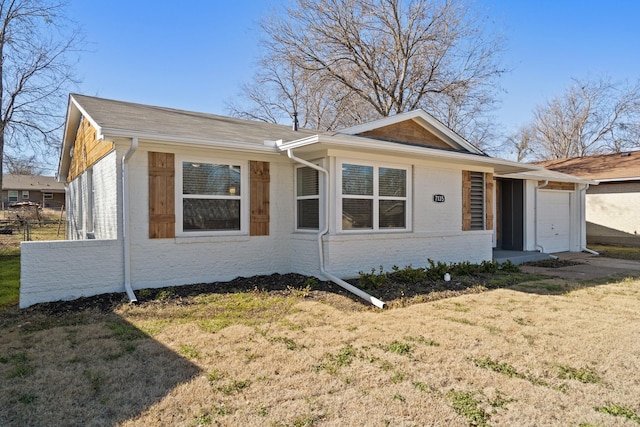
(161, 197)
(43, 190)
(612, 206)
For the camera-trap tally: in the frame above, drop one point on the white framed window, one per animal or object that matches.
(307, 198)
(375, 197)
(211, 197)
(47, 196)
(25, 194)
(13, 195)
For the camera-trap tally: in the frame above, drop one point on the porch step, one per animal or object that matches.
(518, 257)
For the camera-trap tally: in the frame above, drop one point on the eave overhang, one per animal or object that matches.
(338, 140)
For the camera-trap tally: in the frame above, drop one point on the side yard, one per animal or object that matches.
(14, 230)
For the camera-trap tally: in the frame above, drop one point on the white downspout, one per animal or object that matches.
(535, 222)
(583, 211)
(359, 292)
(126, 239)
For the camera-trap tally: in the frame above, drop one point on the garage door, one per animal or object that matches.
(554, 221)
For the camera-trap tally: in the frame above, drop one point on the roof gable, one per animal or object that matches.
(408, 131)
(604, 167)
(414, 127)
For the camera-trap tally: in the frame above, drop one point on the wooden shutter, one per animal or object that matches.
(162, 218)
(466, 200)
(488, 200)
(259, 204)
(472, 207)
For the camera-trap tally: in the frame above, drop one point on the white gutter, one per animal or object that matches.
(183, 140)
(583, 210)
(632, 178)
(535, 222)
(126, 239)
(359, 292)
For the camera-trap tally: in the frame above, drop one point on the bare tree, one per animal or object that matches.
(22, 166)
(590, 117)
(383, 57)
(520, 143)
(280, 89)
(35, 42)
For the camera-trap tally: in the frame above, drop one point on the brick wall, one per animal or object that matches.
(65, 270)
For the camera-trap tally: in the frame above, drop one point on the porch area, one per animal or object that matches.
(518, 257)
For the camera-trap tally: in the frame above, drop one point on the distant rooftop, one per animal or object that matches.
(46, 184)
(604, 167)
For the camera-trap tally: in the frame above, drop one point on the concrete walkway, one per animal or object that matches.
(590, 267)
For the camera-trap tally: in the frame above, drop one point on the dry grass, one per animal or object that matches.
(49, 228)
(503, 357)
(632, 253)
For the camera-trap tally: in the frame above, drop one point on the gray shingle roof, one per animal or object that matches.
(599, 167)
(122, 116)
(32, 182)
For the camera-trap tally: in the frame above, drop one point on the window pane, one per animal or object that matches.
(210, 179)
(357, 213)
(309, 213)
(357, 180)
(392, 214)
(393, 182)
(307, 182)
(210, 214)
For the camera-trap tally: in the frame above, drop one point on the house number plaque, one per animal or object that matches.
(438, 198)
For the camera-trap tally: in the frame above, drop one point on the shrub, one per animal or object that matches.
(489, 266)
(509, 267)
(409, 274)
(436, 271)
(373, 280)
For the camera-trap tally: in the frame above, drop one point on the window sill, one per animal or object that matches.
(221, 238)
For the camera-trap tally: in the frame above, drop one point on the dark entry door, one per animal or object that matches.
(512, 215)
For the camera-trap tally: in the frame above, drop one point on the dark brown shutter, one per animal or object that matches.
(488, 200)
(162, 218)
(466, 200)
(259, 191)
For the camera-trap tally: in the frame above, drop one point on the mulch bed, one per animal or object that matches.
(391, 292)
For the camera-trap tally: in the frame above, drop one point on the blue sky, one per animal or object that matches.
(195, 55)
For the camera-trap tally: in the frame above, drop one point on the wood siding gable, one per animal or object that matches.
(555, 185)
(408, 132)
(259, 182)
(87, 150)
(162, 216)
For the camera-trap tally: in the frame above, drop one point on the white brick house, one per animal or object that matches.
(161, 197)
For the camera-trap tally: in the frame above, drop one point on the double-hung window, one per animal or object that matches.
(212, 196)
(374, 197)
(13, 195)
(307, 198)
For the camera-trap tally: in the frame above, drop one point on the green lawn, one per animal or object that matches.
(617, 252)
(9, 279)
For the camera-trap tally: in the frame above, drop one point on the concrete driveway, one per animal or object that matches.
(590, 267)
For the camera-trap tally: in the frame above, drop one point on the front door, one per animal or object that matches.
(511, 212)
